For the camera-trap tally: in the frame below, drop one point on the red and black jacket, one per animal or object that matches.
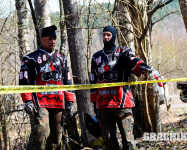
(43, 68)
(109, 68)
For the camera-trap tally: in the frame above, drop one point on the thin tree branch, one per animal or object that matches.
(160, 5)
(9, 112)
(150, 14)
(5, 23)
(164, 17)
(149, 2)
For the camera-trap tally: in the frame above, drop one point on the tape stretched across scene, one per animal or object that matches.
(40, 88)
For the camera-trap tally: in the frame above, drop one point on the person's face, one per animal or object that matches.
(48, 42)
(107, 36)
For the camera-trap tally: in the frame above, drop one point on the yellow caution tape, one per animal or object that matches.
(37, 88)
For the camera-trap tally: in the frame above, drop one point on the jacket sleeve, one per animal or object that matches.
(93, 80)
(27, 76)
(133, 62)
(69, 95)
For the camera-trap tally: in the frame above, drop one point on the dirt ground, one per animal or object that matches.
(177, 110)
(174, 120)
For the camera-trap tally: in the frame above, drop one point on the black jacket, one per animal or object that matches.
(114, 67)
(43, 68)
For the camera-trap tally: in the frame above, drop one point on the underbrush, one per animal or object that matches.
(176, 127)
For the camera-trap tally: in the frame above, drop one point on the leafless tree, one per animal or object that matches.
(125, 29)
(78, 61)
(22, 27)
(35, 24)
(42, 12)
(63, 33)
(135, 18)
(183, 7)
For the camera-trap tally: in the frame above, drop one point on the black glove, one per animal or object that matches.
(29, 107)
(144, 66)
(70, 109)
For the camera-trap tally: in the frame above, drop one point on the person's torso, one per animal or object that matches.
(49, 70)
(109, 69)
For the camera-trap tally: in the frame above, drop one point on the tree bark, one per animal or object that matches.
(35, 24)
(1, 140)
(126, 38)
(153, 95)
(183, 7)
(141, 23)
(125, 26)
(3, 116)
(63, 33)
(22, 28)
(78, 62)
(42, 12)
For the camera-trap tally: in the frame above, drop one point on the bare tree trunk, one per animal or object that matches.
(22, 28)
(125, 26)
(42, 12)
(3, 123)
(78, 62)
(135, 13)
(35, 24)
(1, 79)
(126, 37)
(134, 19)
(63, 34)
(148, 95)
(4, 127)
(89, 38)
(1, 141)
(152, 95)
(139, 13)
(183, 7)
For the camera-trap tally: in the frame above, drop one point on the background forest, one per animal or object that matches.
(154, 29)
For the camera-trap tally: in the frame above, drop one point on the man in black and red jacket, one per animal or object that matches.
(114, 104)
(46, 66)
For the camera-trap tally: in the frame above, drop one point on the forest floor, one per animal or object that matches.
(173, 121)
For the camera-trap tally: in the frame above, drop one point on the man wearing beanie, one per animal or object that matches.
(113, 105)
(46, 66)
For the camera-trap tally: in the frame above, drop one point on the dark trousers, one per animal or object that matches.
(108, 118)
(46, 129)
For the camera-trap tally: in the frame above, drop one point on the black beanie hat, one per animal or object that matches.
(112, 30)
(110, 45)
(49, 31)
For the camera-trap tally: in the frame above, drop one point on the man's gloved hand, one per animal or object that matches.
(144, 67)
(29, 107)
(70, 109)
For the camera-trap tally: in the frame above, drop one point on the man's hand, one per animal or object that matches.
(145, 68)
(70, 109)
(29, 107)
